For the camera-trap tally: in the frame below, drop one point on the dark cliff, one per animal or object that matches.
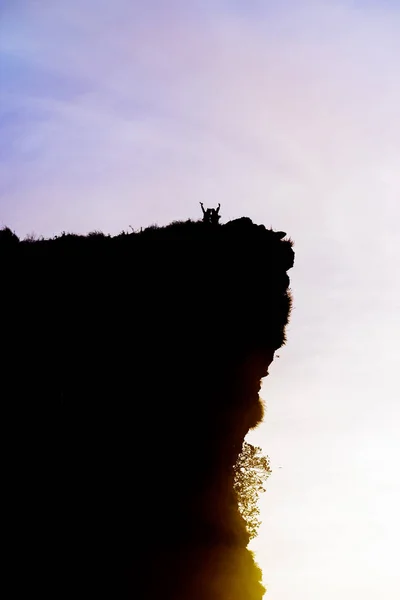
(130, 377)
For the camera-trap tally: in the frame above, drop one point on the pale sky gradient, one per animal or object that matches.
(125, 113)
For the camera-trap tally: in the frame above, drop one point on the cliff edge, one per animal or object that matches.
(131, 376)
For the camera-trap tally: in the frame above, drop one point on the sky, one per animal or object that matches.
(125, 113)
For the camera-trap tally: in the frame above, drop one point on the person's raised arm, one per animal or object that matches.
(217, 210)
(202, 208)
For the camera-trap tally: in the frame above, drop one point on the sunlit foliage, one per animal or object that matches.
(252, 470)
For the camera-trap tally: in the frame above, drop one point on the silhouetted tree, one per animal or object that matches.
(252, 469)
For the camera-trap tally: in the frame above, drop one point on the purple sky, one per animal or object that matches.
(124, 113)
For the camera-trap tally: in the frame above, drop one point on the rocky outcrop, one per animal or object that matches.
(131, 377)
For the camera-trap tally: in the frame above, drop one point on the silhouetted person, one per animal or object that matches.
(206, 214)
(211, 215)
(215, 216)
